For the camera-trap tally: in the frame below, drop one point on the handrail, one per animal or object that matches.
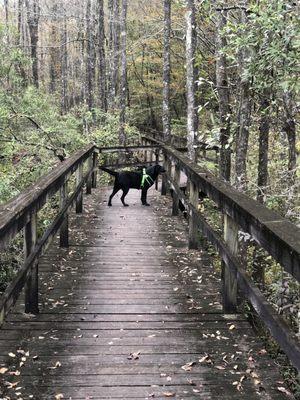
(21, 213)
(276, 235)
(16, 213)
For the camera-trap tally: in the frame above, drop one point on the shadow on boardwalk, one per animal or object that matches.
(128, 312)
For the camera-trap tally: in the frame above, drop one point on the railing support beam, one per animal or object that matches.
(89, 180)
(64, 229)
(79, 200)
(164, 178)
(31, 287)
(95, 170)
(176, 177)
(229, 279)
(193, 230)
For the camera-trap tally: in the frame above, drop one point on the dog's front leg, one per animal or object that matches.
(144, 197)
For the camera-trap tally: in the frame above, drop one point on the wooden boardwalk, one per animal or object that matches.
(127, 311)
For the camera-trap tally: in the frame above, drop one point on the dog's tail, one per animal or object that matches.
(109, 171)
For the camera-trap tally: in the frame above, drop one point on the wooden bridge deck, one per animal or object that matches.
(128, 312)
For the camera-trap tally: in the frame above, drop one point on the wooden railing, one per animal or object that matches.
(21, 213)
(204, 151)
(279, 237)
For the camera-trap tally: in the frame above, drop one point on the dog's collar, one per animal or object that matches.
(146, 179)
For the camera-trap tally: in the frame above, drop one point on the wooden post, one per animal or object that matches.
(142, 151)
(31, 286)
(149, 156)
(164, 176)
(79, 175)
(176, 178)
(64, 229)
(153, 157)
(193, 230)
(229, 279)
(156, 162)
(89, 180)
(95, 170)
(145, 153)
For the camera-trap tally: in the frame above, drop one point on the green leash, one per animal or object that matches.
(146, 179)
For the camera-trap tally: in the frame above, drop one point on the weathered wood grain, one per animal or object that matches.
(98, 305)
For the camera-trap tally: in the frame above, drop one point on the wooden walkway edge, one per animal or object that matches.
(128, 312)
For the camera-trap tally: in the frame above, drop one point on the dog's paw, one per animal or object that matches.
(146, 204)
(109, 205)
(126, 205)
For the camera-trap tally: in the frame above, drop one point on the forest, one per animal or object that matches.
(223, 74)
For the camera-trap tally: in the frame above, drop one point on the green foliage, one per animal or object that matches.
(270, 39)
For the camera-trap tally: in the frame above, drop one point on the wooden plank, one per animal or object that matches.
(64, 228)
(124, 149)
(176, 179)
(31, 288)
(89, 179)
(193, 228)
(99, 306)
(229, 277)
(79, 200)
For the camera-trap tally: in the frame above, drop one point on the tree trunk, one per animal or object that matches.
(114, 74)
(6, 21)
(54, 67)
(243, 123)
(89, 57)
(190, 78)
(102, 60)
(33, 16)
(20, 11)
(258, 273)
(64, 65)
(110, 46)
(264, 129)
(123, 81)
(289, 127)
(166, 117)
(224, 99)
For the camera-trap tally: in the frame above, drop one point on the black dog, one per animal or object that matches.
(134, 180)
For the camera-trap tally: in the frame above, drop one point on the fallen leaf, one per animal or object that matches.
(284, 390)
(169, 394)
(11, 385)
(262, 352)
(15, 373)
(134, 356)
(231, 327)
(188, 366)
(191, 382)
(57, 365)
(11, 355)
(59, 396)
(3, 370)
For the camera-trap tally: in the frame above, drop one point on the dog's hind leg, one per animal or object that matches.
(125, 191)
(144, 197)
(115, 190)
